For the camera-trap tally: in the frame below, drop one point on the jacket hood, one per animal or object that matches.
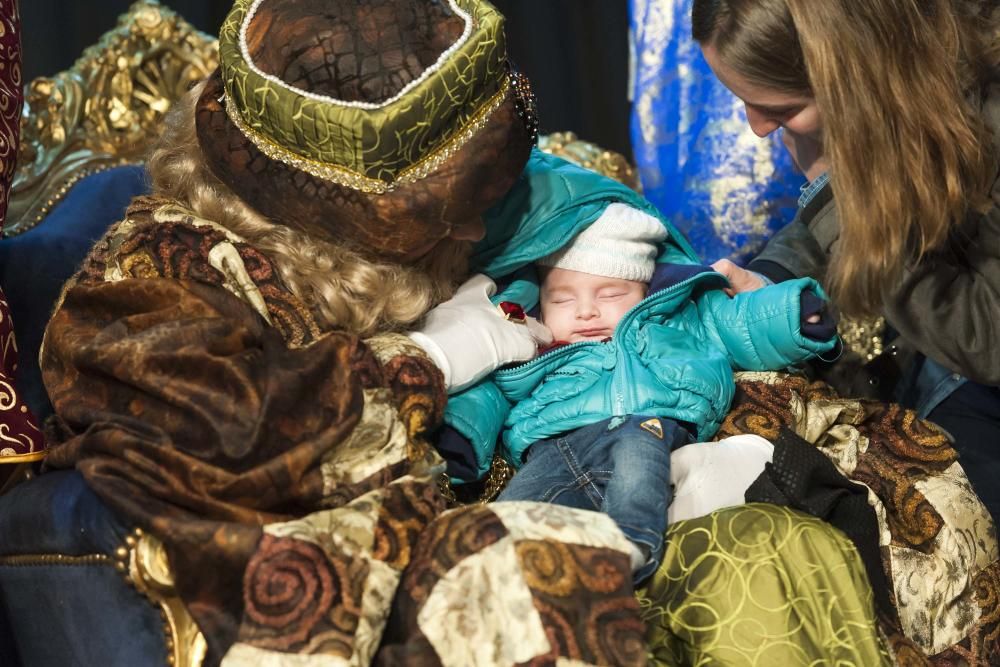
(552, 202)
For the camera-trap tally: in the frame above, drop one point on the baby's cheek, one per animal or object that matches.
(556, 322)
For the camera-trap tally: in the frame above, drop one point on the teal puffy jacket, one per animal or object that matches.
(672, 355)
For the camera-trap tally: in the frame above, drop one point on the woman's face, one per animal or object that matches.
(768, 109)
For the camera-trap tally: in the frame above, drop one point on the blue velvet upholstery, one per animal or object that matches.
(69, 614)
(57, 513)
(76, 613)
(34, 265)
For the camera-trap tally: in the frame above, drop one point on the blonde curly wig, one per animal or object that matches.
(345, 290)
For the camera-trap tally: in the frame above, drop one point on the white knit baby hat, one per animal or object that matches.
(622, 243)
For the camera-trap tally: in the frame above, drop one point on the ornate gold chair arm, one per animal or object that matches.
(105, 110)
(143, 561)
(591, 156)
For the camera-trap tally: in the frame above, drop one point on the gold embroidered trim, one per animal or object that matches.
(500, 473)
(22, 458)
(26, 560)
(60, 193)
(351, 179)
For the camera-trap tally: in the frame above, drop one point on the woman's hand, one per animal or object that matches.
(468, 338)
(740, 279)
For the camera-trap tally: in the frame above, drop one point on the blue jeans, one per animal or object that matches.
(620, 469)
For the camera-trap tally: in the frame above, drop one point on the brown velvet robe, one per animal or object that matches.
(201, 400)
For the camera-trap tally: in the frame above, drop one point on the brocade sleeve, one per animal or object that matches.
(177, 397)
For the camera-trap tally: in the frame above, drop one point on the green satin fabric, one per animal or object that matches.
(760, 585)
(376, 143)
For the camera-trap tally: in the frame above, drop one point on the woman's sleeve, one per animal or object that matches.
(801, 249)
(949, 305)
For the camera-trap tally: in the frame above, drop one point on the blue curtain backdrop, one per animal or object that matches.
(724, 187)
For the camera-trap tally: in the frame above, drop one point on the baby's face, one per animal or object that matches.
(580, 306)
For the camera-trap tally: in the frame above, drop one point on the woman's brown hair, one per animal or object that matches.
(345, 289)
(897, 84)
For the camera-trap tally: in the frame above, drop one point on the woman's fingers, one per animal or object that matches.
(740, 279)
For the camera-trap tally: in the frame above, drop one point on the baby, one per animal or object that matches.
(642, 364)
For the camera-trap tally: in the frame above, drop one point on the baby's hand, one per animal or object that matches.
(817, 321)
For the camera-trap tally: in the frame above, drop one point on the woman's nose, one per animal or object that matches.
(761, 123)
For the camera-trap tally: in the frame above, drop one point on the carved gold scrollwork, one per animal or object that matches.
(144, 563)
(591, 156)
(106, 109)
(863, 336)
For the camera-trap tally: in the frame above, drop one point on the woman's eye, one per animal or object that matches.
(792, 115)
(779, 113)
(788, 114)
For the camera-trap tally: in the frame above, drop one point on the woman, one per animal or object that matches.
(891, 109)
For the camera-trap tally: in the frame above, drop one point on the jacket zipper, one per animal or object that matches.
(621, 326)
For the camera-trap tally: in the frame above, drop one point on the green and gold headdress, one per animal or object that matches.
(373, 97)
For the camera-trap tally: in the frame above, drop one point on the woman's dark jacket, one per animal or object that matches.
(948, 305)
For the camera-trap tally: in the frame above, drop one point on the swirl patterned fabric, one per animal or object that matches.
(517, 583)
(937, 540)
(699, 162)
(20, 439)
(319, 586)
(310, 508)
(160, 239)
(11, 97)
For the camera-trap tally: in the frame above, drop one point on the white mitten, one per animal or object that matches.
(711, 475)
(468, 338)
